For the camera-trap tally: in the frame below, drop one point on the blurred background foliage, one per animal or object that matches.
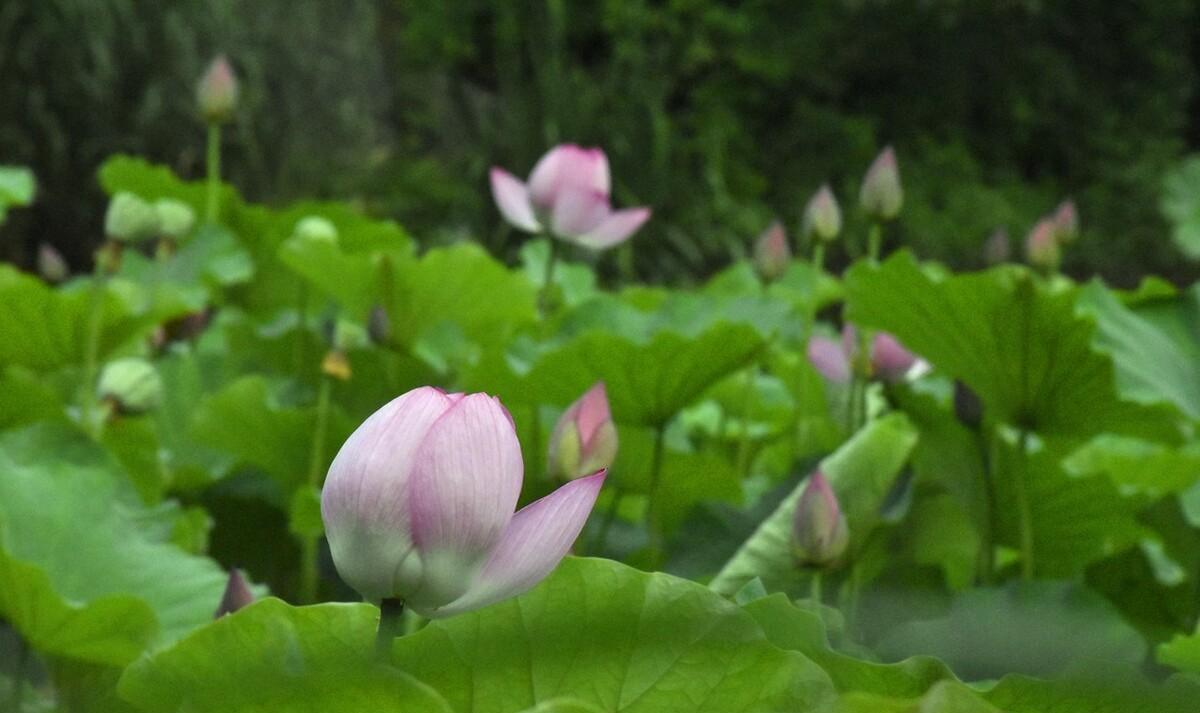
(721, 115)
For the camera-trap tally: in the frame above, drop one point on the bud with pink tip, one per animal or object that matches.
(820, 535)
(418, 506)
(1041, 247)
(834, 359)
(1066, 222)
(217, 92)
(881, 195)
(996, 250)
(50, 264)
(771, 252)
(568, 194)
(822, 216)
(237, 595)
(584, 440)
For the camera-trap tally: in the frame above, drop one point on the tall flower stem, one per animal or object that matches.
(652, 509)
(874, 241)
(212, 206)
(818, 257)
(548, 278)
(310, 552)
(391, 625)
(815, 586)
(1024, 511)
(596, 547)
(91, 347)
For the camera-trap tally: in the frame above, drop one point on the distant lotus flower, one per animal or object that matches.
(50, 264)
(1066, 222)
(217, 92)
(890, 361)
(996, 250)
(822, 216)
(584, 439)
(567, 194)
(1041, 247)
(819, 531)
(771, 252)
(881, 195)
(418, 506)
(237, 595)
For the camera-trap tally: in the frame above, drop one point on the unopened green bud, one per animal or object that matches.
(881, 195)
(822, 216)
(217, 92)
(819, 532)
(132, 384)
(130, 219)
(584, 440)
(175, 218)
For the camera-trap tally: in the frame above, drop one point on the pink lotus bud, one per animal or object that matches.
(50, 264)
(771, 253)
(1041, 247)
(585, 438)
(881, 195)
(237, 595)
(830, 359)
(567, 194)
(819, 532)
(890, 361)
(996, 250)
(217, 92)
(822, 216)
(418, 506)
(1066, 222)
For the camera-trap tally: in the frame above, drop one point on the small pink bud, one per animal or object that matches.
(217, 92)
(237, 595)
(771, 252)
(51, 265)
(1066, 222)
(584, 440)
(822, 216)
(890, 361)
(1041, 247)
(819, 532)
(996, 250)
(881, 195)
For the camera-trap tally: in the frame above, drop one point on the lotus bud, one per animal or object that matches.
(834, 359)
(175, 218)
(217, 92)
(822, 216)
(131, 384)
(890, 361)
(237, 595)
(418, 506)
(968, 408)
(585, 438)
(379, 325)
(314, 228)
(881, 195)
(567, 194)
(819, 532)
(996, 250)
(771, 252)
(1066, 222)
(50, 264)
(1041, 247)
(130, 219)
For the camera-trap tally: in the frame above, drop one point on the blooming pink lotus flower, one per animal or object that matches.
(217, 92)
(819, 531)
(567, 194)
(1041, 246)
(584, 439)
(771, 252)
(890, 361)
(881, 195)
(418, 506)
(822, 216)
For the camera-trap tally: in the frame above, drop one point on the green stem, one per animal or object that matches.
(301, 329)
(309, 574)
(874, 242)
(91, 351)
(818, 256)
(548, 278)
(987, 553)
(610, 516)
(212, 206)
(815, 584)
(655, 477)
(391, 625)
(1025, 514)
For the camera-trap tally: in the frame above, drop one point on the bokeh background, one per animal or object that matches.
(721, 115)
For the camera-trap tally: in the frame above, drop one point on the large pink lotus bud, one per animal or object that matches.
(822, 216)
(567, 194)
(890, 361)
(585, 438)
(1041, 247)
(217, 92)
(771, 252)
(819, 532)
(881, 195)
(834, 359)
(418, 506)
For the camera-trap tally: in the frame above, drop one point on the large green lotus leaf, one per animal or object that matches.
(84, 576)
(1037, 628)
(1151, 366)
(862, 472)
(1136, 465)
(191, 277)
(616, 638)
(648, 381)
(27, 398)
(1017, 342)
(942, 697)
(273, 657)
(352, 280)
(795, 629)
(1121, 691)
